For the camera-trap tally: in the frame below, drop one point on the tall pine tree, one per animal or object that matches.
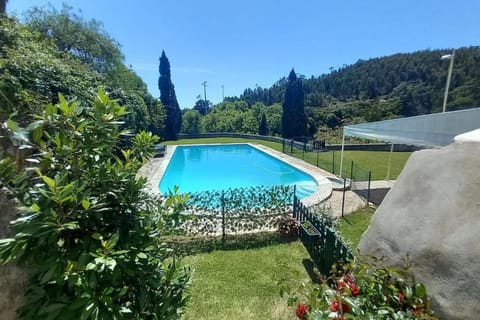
(3, 6)
(173, 122)
(294, 120)
(262, 128)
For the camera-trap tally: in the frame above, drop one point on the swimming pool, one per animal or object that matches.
(218, 167)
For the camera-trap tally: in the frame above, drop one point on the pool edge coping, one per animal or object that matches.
(155, 168)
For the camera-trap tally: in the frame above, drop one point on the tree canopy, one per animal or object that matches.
(399, 85)
(262, 127)
(173, 122)
(294, 121)
(3, 6)
(87, 228)
(84, 39)
(35, 71)
(388, 78)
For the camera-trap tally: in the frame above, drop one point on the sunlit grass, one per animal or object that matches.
(241, 284)
(354, 225)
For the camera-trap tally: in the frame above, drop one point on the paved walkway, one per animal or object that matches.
(381, 184)
(154, 169)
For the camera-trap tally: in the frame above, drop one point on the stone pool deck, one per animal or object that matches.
(325, 186)
(155, 168)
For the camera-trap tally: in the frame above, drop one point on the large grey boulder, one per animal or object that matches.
(433, 214)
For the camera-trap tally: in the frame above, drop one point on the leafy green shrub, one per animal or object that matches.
(185, 245)
(361, 289)
(87, 232)
(287, 226)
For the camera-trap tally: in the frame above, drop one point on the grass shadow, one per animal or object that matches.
(190, 245)
(311, 271)
(346, 220)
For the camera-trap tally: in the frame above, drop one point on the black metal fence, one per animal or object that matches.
(303, 145)
(360, 181)
(320, 240)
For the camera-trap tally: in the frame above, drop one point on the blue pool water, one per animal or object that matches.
(217, 167)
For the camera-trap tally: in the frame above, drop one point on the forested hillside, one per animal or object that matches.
(54, 52)
(399, 74)
(381, 88)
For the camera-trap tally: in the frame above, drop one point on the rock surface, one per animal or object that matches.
(11, 277)
(433, 214)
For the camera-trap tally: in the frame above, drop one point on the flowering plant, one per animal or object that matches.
(362, 289)
(287, 226)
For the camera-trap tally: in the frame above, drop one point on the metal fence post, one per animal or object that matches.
(295, 201)
(333, 161)
(318, 152)
(351, 173)
(222, 200)
(368, 190)
(343, 198)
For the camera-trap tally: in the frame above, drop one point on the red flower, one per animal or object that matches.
(347, 282)
(341, 285)
(348, 279)
(417, 312)
(401, 296)
(302, 310)
(355, 289)
(335, 306)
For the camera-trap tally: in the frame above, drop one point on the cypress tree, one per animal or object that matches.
(294, 120)
(262, 128)
(3, 6)
(173, 121)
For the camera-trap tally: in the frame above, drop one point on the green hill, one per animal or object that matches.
(399, 85)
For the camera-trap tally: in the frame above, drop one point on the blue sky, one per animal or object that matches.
(240, 44)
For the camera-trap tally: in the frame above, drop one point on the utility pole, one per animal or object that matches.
(204, 84)
(223, 92)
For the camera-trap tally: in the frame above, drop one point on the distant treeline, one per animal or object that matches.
(415, 79)
(399, 85)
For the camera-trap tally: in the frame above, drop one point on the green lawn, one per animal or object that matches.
(354, 225)
(240, 284)
(376, 161)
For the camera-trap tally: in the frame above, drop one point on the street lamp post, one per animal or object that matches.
(450, 57)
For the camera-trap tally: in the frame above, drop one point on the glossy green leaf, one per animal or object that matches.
(50, 182)
(86, 204)
(420, 290)
(97, 236)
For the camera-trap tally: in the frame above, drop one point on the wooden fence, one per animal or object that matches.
(321, 242)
